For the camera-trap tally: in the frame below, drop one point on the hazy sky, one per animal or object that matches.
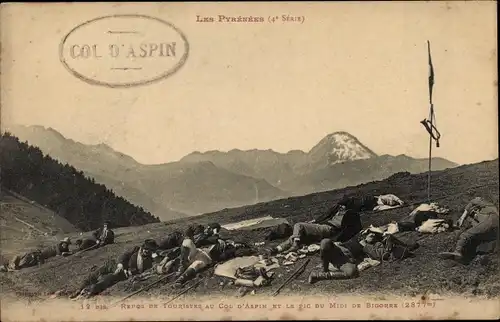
(353, 67)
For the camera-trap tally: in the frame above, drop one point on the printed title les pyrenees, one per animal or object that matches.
(249, 19)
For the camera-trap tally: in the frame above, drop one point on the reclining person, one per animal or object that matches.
(194, 259)
(384, 248)
(370, 202)
(339, 224)
(209, 235)
(341, 257)
(199, 234)
(345, 256)
(39, 256)
(359, 204)
(483, 217)
(102, 236)
(134, 261)
(172, 240)
(84, 244)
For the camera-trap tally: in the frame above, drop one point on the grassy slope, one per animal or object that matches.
(16, 235)
(424, 273)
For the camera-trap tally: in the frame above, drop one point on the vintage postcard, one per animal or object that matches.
(249, 161)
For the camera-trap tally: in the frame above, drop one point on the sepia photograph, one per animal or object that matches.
(249, 161)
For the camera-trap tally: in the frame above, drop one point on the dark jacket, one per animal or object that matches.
(347, 222)
(202, 239)
(129, 261)
(358, 204)
(326, 216)
(479, 210)
(171, 241)
(107, 237)
(53, 251)
(224, 250)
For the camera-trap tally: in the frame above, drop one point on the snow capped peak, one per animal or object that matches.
(338, 147)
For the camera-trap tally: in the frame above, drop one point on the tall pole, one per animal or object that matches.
(431, 120)
(430, 159)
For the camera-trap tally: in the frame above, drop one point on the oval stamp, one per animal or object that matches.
(124, 50)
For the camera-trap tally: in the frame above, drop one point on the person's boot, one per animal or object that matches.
(318, 276)
(186, 276)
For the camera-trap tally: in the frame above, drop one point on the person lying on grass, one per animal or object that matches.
(194, 259)
(346, 256)
(39, 256)
(482, 220)
(339, 224)
(134, 261)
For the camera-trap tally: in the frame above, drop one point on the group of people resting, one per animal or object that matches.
(343, 244)
(186, 254)
(101, 237)
(198, 247)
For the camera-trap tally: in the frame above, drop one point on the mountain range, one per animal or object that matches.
(204, 182)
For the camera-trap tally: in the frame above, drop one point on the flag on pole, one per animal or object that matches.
(431, 71)
(430, 123)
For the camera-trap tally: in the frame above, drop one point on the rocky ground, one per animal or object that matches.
(422, 274)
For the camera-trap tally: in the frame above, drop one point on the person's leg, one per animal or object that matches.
(188, 252)
(93, 277)
(313, 233)
(328, 255)
(376, 251)
(307, 233)
(191, 272)
(483, 231)
(90, 279)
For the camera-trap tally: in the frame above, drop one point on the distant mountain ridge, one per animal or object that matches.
(208, 181)
(278, 167)
(85, 204)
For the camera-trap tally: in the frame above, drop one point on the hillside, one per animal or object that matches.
(63, 189)
(419, 275)
(26, 222)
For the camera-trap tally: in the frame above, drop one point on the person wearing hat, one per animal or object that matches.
(39, 256)
(208, 236)
(135, 261)
(482, 219)
(138, 259)
(104, 235)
